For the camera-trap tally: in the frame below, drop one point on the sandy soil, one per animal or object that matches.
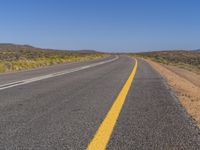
(188, 75)
(186, 84)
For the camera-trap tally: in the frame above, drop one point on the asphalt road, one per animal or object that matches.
(65, 110)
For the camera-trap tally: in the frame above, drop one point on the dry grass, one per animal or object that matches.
(22, 57)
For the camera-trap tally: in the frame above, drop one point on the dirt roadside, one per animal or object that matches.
(186, 84)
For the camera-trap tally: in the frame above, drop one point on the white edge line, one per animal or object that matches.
(22, 82)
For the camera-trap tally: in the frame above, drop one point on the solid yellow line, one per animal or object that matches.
(102, 136)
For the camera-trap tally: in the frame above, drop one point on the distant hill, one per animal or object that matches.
(197, 50)
(87, 51)
(15, 57)
(9, 46)
(18, 47)
(10, 52)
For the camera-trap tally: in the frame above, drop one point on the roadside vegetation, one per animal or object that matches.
(24, 57)
(189, 60)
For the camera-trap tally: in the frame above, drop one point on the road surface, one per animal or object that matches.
(64, 107)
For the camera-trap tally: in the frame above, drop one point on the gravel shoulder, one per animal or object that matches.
(186, 84)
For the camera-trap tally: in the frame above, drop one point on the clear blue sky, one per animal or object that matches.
(108, 25)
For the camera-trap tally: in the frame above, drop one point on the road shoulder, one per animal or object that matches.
(186, 89)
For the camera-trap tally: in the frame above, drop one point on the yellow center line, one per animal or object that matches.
(102, 136)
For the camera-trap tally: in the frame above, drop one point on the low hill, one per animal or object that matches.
(19, 57)
(185, 59)
(197, 50)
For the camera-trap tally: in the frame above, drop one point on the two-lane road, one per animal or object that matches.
(64, 107)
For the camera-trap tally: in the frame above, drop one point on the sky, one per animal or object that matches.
(106, 25)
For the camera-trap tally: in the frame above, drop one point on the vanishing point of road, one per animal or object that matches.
(115, 103)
